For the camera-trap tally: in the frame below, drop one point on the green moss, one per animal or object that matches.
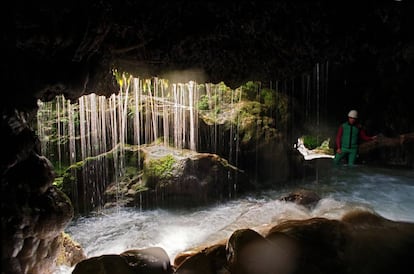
(268, 97)
(251, 109)
(132, 156)
(131, 172)
(161, 168)
(68, 178)
(59, 169)
(138, 187)
(317, 143)
(58, 182)
(250, 90)
(203, 103)
(310, 141)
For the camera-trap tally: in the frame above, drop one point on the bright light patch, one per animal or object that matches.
(175, 239)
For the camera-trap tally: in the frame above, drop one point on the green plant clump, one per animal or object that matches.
(250, 90)
(203, 102)
(161, 168)
(311, 142)
(268, 97)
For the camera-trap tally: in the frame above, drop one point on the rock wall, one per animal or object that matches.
(34, 212)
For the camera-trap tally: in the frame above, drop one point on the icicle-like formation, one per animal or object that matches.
(72, 133)
(143, 111)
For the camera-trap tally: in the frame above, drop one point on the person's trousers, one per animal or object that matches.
(350, 152)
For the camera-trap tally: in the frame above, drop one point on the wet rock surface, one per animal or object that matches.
(34, 212)
(307, 198)
(310, 245)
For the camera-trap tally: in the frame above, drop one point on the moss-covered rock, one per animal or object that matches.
(177, 177)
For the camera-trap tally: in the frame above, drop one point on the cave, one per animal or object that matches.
(364, 51)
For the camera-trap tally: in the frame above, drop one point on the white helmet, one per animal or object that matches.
(353, 114)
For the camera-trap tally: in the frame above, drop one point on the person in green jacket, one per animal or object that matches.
(347, 139)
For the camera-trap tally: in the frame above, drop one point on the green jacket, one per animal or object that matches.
(350, 135)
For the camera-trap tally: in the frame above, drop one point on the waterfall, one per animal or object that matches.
(59, 131)
(165, 116)
(142, 111)
(42, 120)
(72, 133)
(317, 95)
(191, 87)
(145, 111)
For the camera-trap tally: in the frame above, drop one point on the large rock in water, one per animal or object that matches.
(305, 197)
(209, 260)
(361, 242)
(152, 260)
(180, 177)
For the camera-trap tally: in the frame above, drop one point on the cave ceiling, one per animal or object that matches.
(71, 48)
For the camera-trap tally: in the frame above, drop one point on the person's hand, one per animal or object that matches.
(339, 151)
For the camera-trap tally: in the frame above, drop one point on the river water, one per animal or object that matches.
(389, 192)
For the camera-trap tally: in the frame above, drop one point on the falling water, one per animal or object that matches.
(153, 110)
(42, 120)
(142, 111)
(191, 92)
(52, 118)
(317, 113)
(313, 97)
(59, 131)
(222, 135)
(72, 133)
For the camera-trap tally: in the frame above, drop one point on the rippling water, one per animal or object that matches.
(388, 192)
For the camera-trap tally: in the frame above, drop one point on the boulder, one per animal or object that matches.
(180, 177)
(305, 197)
(71, 252)
(361, 242)
(152, 260)
(249, 252)
(209, 260)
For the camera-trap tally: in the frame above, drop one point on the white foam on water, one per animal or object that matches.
(386, 192)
